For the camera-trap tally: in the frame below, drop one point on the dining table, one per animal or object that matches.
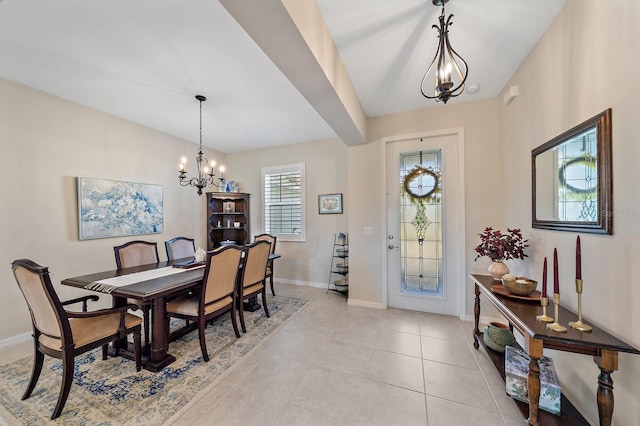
(152, 284)
(149, 288)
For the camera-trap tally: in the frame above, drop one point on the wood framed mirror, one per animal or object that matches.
(572, 188)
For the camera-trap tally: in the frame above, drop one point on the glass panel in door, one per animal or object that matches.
(421, 223)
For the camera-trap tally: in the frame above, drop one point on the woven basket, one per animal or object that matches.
(520, 286)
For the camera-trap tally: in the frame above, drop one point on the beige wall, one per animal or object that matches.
(482, 181)
(45, 143)
(365, 186)
(586, 62)
(355, 171)
(326, 173)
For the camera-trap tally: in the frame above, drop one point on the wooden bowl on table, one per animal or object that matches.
(520, 286)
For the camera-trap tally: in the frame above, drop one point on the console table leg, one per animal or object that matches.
(607, 361)
(535, 349)
(476, 315)
(533, 383)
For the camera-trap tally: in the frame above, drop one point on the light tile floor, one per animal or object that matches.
(335, 364)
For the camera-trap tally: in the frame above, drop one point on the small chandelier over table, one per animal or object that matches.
(206, 176)
(448, 70)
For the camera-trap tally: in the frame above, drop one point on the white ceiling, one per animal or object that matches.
(145, 60)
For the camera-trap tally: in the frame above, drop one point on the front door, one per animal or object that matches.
(425, 224)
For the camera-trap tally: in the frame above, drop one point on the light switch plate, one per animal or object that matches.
(367, 231)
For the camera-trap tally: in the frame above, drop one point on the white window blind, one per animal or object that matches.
(284, 202)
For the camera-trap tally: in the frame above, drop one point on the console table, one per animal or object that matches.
(522, 316)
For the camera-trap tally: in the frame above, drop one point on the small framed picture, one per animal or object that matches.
(330, 204)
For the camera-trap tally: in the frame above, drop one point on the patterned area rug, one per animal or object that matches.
(112, 393)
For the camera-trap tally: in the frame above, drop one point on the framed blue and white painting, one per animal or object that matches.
(111, 208)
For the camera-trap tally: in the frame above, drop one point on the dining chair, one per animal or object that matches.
(137, 253)
(272, 240)
(253, 276)
(65, 334)
(180, 248)
(217, 294)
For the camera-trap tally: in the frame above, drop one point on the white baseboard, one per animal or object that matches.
(352, 302)
(365, 304)
(301, 283)
(14, 340)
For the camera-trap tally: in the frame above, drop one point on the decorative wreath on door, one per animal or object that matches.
(416, 190)
(419, 193)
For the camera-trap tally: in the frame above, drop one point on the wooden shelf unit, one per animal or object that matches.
(224, 209)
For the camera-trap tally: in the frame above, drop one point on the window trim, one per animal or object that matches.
(287, 168)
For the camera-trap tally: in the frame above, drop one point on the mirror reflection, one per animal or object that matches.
(572, 179)
(567, 180)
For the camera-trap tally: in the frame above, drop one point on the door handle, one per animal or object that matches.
(391, 247)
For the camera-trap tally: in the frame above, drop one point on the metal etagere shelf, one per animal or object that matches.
(339, 270)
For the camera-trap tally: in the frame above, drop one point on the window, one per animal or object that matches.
(421, 223)
(284, 202)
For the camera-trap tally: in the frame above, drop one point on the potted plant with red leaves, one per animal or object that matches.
(499, 246)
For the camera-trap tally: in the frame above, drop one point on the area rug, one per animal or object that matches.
(111, 392)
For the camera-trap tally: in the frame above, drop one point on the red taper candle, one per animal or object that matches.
(578, 260)
(544, 278)
(556, 283)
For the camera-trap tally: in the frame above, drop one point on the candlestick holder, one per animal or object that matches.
(544, 301)
(579, 325)
(556, 326)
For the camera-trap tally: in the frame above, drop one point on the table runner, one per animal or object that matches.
(109, 284)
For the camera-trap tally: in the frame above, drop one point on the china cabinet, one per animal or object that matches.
(227, 219)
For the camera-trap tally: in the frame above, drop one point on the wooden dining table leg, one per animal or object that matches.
(251, 304)
(158, 356)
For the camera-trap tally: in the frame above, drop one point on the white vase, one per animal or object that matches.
(200, 255)
(498, 269)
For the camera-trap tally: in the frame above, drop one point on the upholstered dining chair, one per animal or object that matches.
(64, 334)
(137, 253)
(272, 240)
(217, 294)
(253, 276)
(180, 248)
